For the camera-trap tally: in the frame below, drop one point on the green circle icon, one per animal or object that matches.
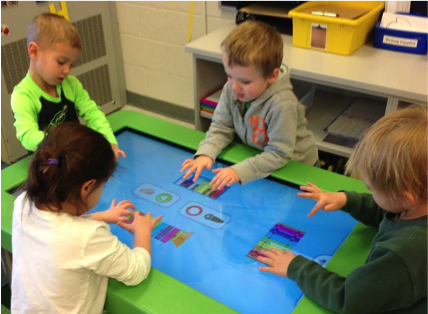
(164, 198)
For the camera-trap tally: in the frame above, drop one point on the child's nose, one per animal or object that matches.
(236, 86)
(67, 70)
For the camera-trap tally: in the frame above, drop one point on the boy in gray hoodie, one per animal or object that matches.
(258, 104)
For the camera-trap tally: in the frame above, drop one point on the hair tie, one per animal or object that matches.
(53, 161)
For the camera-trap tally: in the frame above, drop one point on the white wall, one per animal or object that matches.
(153, 35)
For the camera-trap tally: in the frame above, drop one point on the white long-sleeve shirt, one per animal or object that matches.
(61, 263)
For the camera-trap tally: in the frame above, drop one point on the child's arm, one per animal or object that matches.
(141, 227)
(105, 255)
(117, 151)
(224, 176)
(221, 131)
(196, 165)
(115, 213)
(328, 201)
(363, 208)
(360, 206)
(383, 284)
(88, 110)
(26, 120)
(219, 135)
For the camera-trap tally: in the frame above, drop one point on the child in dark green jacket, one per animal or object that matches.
(392, 161)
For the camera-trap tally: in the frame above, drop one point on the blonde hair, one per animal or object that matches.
(392, 156)
(254, 43)
(48, 28)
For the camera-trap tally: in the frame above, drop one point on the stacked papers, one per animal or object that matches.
(404, 22)
(357, 118)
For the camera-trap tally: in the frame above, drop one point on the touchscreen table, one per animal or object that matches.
(204, 247)
(209, 239)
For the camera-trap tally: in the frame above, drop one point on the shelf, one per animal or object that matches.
(276, 9)
(401, 104)
(206, 115)
(327, 105)
(325, 83)
(368, 70)
(323, 106)
(209, 76)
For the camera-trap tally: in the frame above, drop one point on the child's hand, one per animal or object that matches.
(225, 176)
(140, 222)
(277, 260)
(115, 213)
(117, 151)
(197, 164)
(327, 200)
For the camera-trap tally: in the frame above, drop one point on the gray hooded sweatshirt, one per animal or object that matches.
(275, 123)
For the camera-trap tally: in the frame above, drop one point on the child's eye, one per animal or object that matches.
(245, 82)
(61, 62)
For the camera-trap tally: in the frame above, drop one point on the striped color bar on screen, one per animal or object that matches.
(165, 232)
(280, 236)
(201, 186)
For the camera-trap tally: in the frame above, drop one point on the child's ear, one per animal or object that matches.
(273, 76)
(33, 50)
(409, 199)
(87, 188)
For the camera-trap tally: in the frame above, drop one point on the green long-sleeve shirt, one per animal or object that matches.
(36, 112)
(394, 277)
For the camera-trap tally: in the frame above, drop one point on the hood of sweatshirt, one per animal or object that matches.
(281, 84)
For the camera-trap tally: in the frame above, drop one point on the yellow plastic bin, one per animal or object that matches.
(334, 34)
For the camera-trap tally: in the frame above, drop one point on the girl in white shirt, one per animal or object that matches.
(62, 259)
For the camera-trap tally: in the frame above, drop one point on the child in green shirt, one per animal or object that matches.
(48, 94)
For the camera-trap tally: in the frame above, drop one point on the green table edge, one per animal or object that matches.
(154, 295)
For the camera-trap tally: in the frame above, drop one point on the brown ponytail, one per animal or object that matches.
(70, 155)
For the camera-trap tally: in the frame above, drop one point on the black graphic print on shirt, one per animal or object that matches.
(53, 113)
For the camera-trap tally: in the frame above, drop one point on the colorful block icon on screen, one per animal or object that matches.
(280, 236)
(165, 232)
(156, 194)
(201, 186)
(205, 215)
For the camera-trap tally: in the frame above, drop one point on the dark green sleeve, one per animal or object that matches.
(381, 285)
(363, 208)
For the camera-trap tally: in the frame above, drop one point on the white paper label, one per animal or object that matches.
(397, 41)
